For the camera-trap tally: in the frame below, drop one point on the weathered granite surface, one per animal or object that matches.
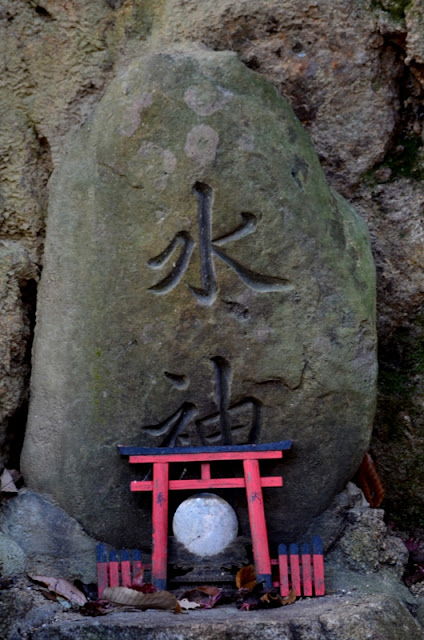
(329, 618)
(38, 537)
(202, 283)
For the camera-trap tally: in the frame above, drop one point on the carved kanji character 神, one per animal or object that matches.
(215, 428)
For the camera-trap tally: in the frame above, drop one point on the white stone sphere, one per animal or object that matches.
(205, 524)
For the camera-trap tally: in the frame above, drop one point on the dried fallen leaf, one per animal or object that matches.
(49, 595)
(370, 482)
(186, 604)
(130, 597)
(290, 598)
(275, 600)
(144, 588)
(206, 597)
(94, 609)
(63, 588)
(251, 599)
(6, 483)
(246, 577)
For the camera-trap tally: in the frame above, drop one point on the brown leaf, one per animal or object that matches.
(290, 598)
(96, 608)
(275, 600)
(370, 482)
(130, 597)
(49, 595)
(206, 597)
(6, 483)
(63, 588)
(246, 577)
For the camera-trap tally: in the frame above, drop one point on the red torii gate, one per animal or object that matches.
(252, 481)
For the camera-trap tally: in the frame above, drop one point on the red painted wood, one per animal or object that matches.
(137, 565)
(213, 483)
(125, 573)
(295, 569)
(306, 571)
(160, 523)
(257, 521)
(114, 574)
(284, 570)
(102, 578)
(205, 471)
(137, 568)
(319, 582)
(202, 457)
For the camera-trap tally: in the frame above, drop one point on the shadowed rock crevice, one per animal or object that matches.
(15, 432)
(21, 250)
(404, 158)
(43, 13)
(398, 441)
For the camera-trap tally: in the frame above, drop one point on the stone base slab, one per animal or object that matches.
(329, 618)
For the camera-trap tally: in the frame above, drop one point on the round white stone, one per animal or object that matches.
(205, 524)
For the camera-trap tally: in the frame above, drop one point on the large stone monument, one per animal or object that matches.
(202, 284)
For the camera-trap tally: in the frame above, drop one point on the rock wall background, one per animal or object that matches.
(353, 71)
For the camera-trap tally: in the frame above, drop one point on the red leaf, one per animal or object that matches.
(144, 588)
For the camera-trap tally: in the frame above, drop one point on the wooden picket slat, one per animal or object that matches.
(137, 565)
(306, 570)
(295, 569)
(283, 566)
(102, 569)
(113, 569)
(125, 569)
(318, 564)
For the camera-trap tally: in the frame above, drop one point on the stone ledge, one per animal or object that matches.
(329, 618)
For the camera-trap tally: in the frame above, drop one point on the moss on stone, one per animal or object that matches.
(396, 8)
(403, 159)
